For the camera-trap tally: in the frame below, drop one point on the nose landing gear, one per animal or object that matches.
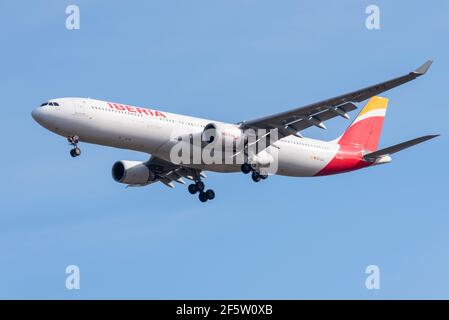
(75, 152)
(73, 141)
(198, 186)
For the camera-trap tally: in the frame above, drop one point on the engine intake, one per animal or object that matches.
(132, 172)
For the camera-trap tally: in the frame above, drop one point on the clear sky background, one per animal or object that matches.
(231, 61)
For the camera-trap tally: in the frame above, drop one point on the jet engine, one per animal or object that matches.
(132, 172)
(228, 135)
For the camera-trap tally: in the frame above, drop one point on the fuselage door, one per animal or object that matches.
(80, 108)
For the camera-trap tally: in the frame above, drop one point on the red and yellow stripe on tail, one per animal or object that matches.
(365, 131)
(361, 137)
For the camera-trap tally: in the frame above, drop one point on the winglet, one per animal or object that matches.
(423, 69)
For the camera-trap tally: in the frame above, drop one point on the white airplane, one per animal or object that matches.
(287, 151)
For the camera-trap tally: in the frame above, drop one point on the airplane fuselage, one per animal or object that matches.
(153, 131)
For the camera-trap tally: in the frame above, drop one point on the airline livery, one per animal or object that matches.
(185, 147)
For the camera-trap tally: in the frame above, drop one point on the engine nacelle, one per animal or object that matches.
(132, 172)
(228, 135)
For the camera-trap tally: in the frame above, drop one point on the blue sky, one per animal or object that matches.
(227, 60)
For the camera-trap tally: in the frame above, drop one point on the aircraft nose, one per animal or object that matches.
(37, 115)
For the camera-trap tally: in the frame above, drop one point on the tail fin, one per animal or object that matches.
(365, 130)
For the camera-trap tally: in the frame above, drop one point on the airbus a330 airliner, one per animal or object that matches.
(157, 133)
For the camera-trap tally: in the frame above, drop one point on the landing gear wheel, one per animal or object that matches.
(73, 140)
(75, 152)
(246, 168)
(202, 197)
(210, 194)
(263, 176)
(199, 186)
(192, 188)
(256, 176)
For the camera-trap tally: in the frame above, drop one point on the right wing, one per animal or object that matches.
(292, 121)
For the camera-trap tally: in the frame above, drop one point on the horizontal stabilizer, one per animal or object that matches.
(398, 147)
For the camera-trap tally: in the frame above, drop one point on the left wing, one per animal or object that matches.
(292, 121)
(167, 172)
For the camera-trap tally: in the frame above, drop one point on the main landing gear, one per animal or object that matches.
(198, 186)
(73, 141)
(255, 175)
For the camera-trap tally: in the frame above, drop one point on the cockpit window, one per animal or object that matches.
(50, 104)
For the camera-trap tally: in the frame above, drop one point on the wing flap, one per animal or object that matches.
(326, 115)
(167, 172)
